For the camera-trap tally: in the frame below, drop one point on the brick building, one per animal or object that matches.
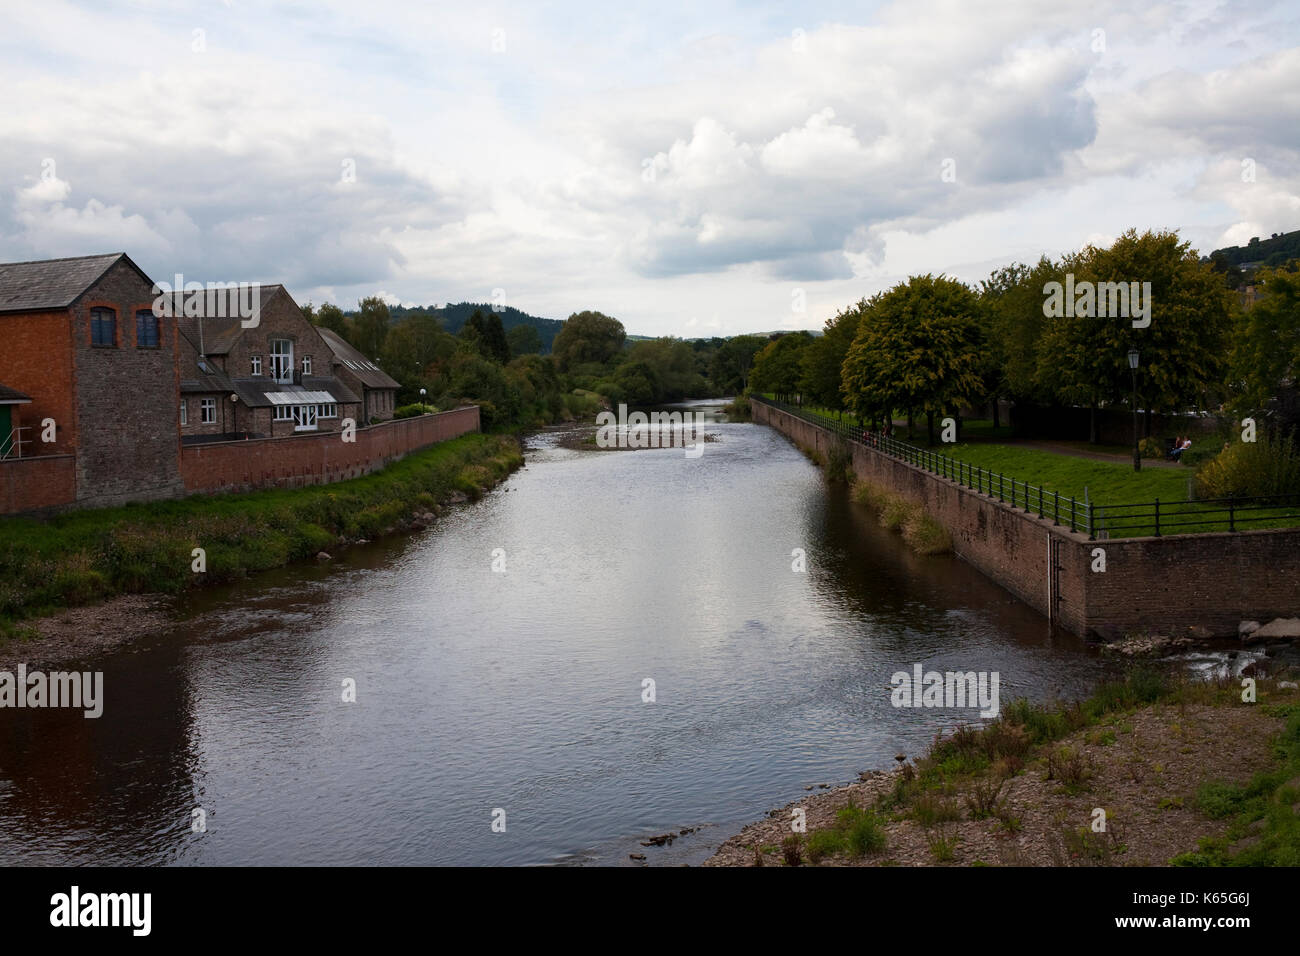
(264, 374)
(377, 390)
(98, 370)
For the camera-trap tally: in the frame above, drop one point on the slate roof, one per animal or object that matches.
(11, 396)
(252, 391)
(53, 283)
(211, 379)
(220, 309)
(371, 375)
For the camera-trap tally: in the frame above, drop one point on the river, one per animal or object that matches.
(522, 689)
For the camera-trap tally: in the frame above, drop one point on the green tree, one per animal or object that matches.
(416, 352)
(588, 337)
(1083, 359)
(1266, 343)
(823, 359)
(330, 316)
(731, 362)
(918, 347)
(636, 384)
(524, 340)
(672, 366)
(370, 327)
(778, 368)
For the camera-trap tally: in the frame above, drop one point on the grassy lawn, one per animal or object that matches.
(1105, 482)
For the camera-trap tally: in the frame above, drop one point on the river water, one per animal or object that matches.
(522, 689)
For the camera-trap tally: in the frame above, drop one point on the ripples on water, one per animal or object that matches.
(522, 690)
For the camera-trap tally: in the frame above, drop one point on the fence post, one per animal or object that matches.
(1056, 509)
(1090, 522)
(1157, 510)
(1232, 518)
(1071, 512)
(1040, 501)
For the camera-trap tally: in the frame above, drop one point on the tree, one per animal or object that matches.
(524, 340)
(1083, 359)
(331, 317)
(672, 366)
(416, 353)
(484, 333)
(1266, 344)
(636, 384)
(588, 337)
(918, 347)
(778, 368)
(730, 364)
(370, 327)
(1013, 320)
(823, 359)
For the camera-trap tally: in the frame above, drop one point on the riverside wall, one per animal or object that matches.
(1151, 584)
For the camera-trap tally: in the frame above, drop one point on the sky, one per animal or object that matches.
(690, 168)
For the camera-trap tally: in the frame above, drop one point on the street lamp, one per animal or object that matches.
(1133, 367)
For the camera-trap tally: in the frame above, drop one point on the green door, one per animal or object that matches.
(5, 428)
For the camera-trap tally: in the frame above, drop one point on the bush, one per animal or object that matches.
(410, 411)
(1267, 466)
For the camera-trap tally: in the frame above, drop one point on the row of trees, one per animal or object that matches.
(931, 345)
(502, 372)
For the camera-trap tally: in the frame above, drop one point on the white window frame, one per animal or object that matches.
(257, 364)
(304, 418)
(282, 361)
(185, 413)
(206, 406)
(282, 413)
(306, 365)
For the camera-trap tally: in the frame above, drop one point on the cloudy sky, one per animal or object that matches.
(692, 168)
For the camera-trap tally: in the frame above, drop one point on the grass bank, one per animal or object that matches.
(86, 556)
(1150, 769)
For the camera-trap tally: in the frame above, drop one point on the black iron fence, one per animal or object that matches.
(1104, 521)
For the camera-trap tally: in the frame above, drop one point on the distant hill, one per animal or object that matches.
(1277, 250)
(453, 317)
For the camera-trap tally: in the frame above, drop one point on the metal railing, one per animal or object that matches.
(1085, 517)
(1202, 515)
(12, 445)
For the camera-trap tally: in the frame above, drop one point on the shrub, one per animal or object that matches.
(791, 850)
(1268, 466)
(823, 843)
(410, 411)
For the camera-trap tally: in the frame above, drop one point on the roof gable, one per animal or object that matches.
(50, 284)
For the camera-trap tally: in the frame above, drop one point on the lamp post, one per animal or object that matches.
(1133, 357)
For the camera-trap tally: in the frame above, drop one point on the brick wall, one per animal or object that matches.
(36, 359)
(33, 484)
(128, 442)
(1164, 584)
(316, 458)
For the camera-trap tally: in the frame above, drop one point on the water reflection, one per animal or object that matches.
(522, 690)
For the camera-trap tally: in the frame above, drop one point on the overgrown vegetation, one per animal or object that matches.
(923, 533)
(1270, 465)
(86, 556)
(1264, 812)
(977, 761)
